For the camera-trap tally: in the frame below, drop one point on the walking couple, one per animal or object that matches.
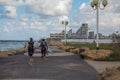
(43, 46)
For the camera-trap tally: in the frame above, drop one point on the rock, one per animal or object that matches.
(75, 51)
(3, 55)
(110, 74)
(96, 54)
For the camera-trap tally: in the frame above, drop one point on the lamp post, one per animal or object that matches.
(95, 4)
(65, 23)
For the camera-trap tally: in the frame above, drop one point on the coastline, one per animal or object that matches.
(12, 52)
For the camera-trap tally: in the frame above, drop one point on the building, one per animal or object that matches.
(57, 35)
(69, 33)
(99, 35)
(82, 32)
(91, 35)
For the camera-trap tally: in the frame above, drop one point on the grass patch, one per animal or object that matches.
(78, 45)
(115, 56)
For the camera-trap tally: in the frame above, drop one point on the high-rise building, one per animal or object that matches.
(100, 35)
(91, 34)
(82, 32)
(69, 33)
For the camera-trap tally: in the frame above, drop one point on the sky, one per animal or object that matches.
(22, 19)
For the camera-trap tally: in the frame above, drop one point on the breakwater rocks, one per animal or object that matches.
(12, 52)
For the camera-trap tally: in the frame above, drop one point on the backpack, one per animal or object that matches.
(43, 45)
(30, 44)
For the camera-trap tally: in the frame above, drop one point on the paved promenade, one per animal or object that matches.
(101, 66)
(58, 65)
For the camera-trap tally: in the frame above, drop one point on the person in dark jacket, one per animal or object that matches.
(44, 48)
(30, 50)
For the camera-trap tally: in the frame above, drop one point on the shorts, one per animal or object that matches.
(30, 51)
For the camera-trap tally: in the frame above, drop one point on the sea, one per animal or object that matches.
(13, 45)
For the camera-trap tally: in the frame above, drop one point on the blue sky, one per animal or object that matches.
(22, 19)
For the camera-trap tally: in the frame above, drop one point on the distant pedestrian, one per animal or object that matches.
(30, 50)
(44, 48)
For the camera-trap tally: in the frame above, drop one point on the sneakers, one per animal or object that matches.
(30, 63)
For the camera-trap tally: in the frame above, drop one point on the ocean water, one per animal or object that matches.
(12, 45)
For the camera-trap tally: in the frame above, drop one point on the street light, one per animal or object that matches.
(65, 23)
(95, 4)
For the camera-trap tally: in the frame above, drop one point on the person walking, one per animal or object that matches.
(44, 48)
(30, 50)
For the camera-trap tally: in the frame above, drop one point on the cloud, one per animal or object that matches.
(40, 17)
(83, 6)
(63, 18)
(10, 11)
(42, 7)
(6, 29)
(56, 8)
(109, 18)
(12, 2)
